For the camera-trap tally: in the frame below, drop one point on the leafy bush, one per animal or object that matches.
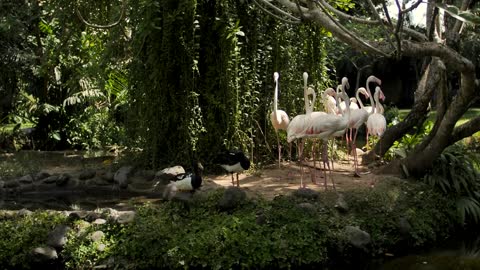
(380, 210)
(456, 174)
(408, 142)
(19, 235)
(287, 232)
(81, 252)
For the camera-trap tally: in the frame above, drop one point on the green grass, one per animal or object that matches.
(471, 113)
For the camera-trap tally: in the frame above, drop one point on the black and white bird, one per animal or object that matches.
(185, 182)
(233, 161)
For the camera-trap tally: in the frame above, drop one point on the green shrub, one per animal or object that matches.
(20, 235)
(456, 174)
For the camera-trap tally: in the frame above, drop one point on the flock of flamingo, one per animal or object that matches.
(341, 115)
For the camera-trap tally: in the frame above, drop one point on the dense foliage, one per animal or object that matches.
(203, 76)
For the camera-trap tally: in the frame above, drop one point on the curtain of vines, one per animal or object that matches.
(202, 77)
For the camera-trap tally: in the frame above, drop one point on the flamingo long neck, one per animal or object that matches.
(314, 97)
(369, 80)
(357, 95)
(275, 99)
(305, 92)
(378, 106)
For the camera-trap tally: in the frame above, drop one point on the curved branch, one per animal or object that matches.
(280, 11)
(296, 21)
(374, 11)
(465, 130)
(410, 32)
(122, 14)
(357, 39)
(345, 16)
(412, 7)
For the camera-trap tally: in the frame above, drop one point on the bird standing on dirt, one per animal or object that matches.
(233, 161)
(185, 182)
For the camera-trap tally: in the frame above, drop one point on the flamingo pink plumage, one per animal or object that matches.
(376, 123)
(357, 119)
(321, 126)
(278, 117)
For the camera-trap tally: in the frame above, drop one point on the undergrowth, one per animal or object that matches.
(286, 232)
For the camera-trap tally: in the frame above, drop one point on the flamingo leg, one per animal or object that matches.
(300, 158)
(290, 151)
(325, 163)
(355, 159)
(333, 148)
(279, 150)
(314, 174)
(238, 183)
(233, 182)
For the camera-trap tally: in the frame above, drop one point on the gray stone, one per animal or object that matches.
(107, 176)
(24, 212)
(44, 254)
(404, 226)
(121, 176)
(232, 197)
(58, 237)
(101, 247)
(341, 205)
(51, 179)
(63, 179)
(92, 216)
(358, 238)
(166, 175)
(306, 206)
(306, 193)
(99, 221)
(97, 236)
(41, 175)
(11, 184)
(125, 217)
(87, 174)
(26, 179)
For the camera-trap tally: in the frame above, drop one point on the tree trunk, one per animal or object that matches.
(417, 115)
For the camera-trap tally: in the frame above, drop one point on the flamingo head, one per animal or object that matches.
(275, 76)
(353, 100)
(380, 93)
(305, 76)
(330, 91)
(374, 79)
(345, 83)
(363, 91)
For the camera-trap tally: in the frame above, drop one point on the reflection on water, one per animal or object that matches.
(462, 253)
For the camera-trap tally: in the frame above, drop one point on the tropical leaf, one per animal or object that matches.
(454, 173)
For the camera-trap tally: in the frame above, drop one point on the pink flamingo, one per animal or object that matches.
(353, 105)
(278, 117)
(376, 80)
(376, 123)
(321, 126)
(357, 119)
(329, 101)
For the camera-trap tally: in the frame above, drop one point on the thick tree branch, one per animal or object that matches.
(410, 32)
(293, 21)
(412, 7)
(465, 130)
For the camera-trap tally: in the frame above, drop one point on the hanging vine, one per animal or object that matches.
(202, 77)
